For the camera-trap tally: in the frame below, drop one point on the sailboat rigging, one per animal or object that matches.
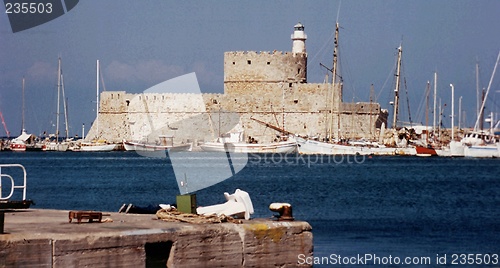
(59, 145)
(97, 145)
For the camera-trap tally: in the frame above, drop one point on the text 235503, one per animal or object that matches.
(28, 8)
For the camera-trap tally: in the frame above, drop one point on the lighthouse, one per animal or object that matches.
(299, 39)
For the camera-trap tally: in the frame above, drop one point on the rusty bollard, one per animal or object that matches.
(284, 210)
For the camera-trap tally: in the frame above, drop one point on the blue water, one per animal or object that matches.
(380, 206)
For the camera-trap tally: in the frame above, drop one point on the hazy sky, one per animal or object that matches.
(142, 43)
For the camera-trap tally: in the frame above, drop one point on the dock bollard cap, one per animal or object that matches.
(284, 210)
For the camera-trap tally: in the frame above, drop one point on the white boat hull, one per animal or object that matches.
(135, 146)
(97, 147)
(483, 151)
(456, 148)
(317, 147)
(240, 147)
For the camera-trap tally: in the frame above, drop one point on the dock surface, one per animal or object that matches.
(45, 238)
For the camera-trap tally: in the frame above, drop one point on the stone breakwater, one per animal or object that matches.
(44, 238)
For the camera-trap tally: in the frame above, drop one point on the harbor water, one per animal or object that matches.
(388, 211)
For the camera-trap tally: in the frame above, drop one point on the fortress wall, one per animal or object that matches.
(269, 86)
(113, 101)
(263, 67)
(195, 117)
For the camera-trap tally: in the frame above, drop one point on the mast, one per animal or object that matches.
(435, 102)
(427, 91)
(97, 101)
(58, 96)
(452, 112)
(488, 90)
(64, 106)
(282, 107)
(4, 125)
(22, 123)
(334, 77)
(477, 88)
(481, 111)
(396, 90)
(460, 113)
(371, 102)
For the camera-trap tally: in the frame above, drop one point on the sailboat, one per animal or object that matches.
(25, 141)
(163, 145)
(97, 145)
(424, 148)
(18, 144)
(481, 143)
(233, 141)
(331, 147)
(57, 145)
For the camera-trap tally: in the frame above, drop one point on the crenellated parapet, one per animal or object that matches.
(264, 67)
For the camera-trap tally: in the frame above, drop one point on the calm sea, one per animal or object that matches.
(391, 208)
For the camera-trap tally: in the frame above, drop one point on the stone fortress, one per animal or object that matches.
(268, 86)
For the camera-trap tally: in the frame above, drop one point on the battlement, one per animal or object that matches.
(263, 67)
(254, 53)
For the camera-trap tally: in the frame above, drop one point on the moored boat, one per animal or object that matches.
(425, 151)
(288, 146)
(96, 146)
(138, 146)
(17, 145)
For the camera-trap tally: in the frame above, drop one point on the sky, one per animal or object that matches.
(142, 43)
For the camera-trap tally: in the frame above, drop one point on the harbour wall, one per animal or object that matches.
(44, 238)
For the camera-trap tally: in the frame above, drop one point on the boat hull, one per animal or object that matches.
(97, 147)
(18, 148)
(482, 151)
(317, 147)
(425, 151)
(135, 146)
(237, 147)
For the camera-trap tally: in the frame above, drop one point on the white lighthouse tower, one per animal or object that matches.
(299, 39)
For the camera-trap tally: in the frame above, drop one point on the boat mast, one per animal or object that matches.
(452, 112)
(371, 101)
(64, 106)
(427, 92)
(487, 91)
(58, 96)
(460, 113)
(5, 125)
(477, 89)
(22, 123)
(334, 78)
(396, 90)
(97, 101)
(435, 102)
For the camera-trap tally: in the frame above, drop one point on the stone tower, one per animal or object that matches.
(245, 71)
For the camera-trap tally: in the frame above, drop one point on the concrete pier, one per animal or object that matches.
(45, 238)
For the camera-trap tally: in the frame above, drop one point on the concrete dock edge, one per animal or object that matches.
(45, 238)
